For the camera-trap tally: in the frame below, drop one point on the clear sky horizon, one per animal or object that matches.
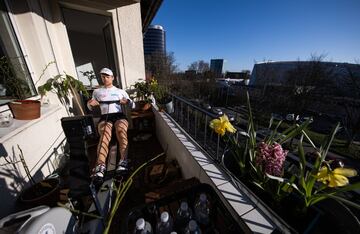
(245, 31)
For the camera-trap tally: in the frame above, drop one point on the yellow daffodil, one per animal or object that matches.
(336, 177)
(222, 125)
(153, 81)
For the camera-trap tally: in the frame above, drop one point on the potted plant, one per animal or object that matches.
(143, 95)
(18, 88)
(45, 192)
(64, 85)
(162, 96)
(91, 76)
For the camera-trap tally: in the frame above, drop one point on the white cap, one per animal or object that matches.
(106, 71)
(164, 216)
(140, 224)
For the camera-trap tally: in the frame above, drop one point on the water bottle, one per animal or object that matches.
(192, 228)
(142, 227)
(183, 216)
(165, 225)
(202, 210)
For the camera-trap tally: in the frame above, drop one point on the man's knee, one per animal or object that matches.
(121, 125)
(102, 126)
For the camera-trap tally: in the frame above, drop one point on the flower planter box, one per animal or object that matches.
(328, 216)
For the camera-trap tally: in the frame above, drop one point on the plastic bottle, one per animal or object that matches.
(183, 216)
(142, 227)
(202, 210)
(192, 228)
(165, 225)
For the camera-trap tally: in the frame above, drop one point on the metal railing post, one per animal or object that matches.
(217, 147)
(177, 107)
(188, 118)
(182, 114)
(205, 130)
(195, 115)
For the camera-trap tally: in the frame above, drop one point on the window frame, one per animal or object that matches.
(20, 52)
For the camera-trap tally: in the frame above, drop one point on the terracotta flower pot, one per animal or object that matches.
(143, 106)
(146, 106)
(25, 109)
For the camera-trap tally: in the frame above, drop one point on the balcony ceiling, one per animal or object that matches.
(102, 4)
(149, 8)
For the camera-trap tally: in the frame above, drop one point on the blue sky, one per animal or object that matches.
(244, 31)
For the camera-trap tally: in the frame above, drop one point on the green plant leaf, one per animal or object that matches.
(284, 181)
(328, 142)
(343, 200)
(302, 162)
(299, 128)
(122, 192)
(346, 188)
(309, 140)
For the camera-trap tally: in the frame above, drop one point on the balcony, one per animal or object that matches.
(185, 138)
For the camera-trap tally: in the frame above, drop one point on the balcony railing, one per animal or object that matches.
(195, 121)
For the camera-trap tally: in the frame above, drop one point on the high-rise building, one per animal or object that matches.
(154, 40)
(216, 66)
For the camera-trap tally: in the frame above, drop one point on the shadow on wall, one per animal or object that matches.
(13, 179)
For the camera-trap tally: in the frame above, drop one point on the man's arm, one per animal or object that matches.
(92, 102)
(126, 100)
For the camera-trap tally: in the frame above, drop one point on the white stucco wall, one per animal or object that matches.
(129, 43)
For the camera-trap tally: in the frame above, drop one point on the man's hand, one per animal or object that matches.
(93, 102)
(123, 101)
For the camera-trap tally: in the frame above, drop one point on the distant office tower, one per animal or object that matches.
(216, 66)
(154, 40)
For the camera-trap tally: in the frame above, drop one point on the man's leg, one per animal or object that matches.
(121, 127)
(104, 129)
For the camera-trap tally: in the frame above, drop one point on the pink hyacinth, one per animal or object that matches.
(271, 158)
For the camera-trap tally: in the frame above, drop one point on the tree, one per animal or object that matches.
(163, 68)
(160, 65)
(351, 121)
(199, 66)
(308, 81)
(351, 105)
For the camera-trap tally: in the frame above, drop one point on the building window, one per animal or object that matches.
(15, 79)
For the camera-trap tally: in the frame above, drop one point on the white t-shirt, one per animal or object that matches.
(110, 94)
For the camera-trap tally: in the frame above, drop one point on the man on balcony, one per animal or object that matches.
(111, 101)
